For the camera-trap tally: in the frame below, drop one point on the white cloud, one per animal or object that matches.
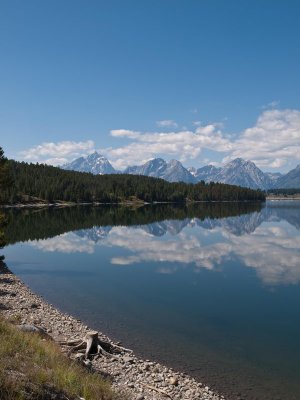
(272, 142)
(124, 133)
(58, 153)
(55, 161)
(167, 123)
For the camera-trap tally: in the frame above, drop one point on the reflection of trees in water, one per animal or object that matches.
(27, 224)
(2, 223)
(5, 182)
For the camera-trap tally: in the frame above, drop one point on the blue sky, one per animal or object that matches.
(199, 81)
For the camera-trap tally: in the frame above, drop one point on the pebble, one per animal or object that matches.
(173, 381)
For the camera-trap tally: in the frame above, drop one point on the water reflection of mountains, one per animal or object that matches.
(96, 223)
(237, 225)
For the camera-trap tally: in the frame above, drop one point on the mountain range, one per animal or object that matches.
(237, 172)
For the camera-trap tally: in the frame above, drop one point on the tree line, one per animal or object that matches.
(287, 192)
(51, 184)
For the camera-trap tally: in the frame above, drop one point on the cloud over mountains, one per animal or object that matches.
(273, 142)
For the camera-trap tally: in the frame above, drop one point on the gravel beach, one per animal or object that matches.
(140, 379)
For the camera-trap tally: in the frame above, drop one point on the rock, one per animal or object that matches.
(128, 359)
(173, 381)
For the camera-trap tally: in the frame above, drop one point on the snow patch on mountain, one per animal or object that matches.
(94, 163)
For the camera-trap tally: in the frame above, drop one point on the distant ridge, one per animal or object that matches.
(236, 172)
(290, 180)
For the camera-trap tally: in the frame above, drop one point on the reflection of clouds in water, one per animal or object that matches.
(66, 243)
(272, 250)
(184, 249)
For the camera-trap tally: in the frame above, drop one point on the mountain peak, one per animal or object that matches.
(240, 161)
(155, 161)
(94, 155)
(94, 163)
(243, 173)
(174, 162)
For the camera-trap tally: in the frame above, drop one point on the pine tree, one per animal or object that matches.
(5, 181)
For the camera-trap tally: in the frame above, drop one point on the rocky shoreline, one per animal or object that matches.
(139, 379)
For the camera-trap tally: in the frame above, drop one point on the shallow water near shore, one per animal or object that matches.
(210, 289)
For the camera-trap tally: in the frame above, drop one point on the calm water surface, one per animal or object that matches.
(213, 290)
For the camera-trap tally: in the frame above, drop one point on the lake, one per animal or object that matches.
(211, 289)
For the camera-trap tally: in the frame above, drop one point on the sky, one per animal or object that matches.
(201, 81)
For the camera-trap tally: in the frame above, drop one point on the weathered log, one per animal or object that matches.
(92, 340)
(93, 346)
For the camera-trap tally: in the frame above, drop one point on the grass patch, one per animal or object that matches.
(35, 369)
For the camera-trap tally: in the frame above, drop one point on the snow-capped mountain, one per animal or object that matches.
(172, 171)
(94, 163)
(243, 173)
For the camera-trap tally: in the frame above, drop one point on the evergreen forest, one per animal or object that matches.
(40, 182)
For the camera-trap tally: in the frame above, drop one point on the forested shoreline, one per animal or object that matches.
(51, 184)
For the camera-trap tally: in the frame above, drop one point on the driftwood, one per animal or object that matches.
(157, 390)
(92, 345)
